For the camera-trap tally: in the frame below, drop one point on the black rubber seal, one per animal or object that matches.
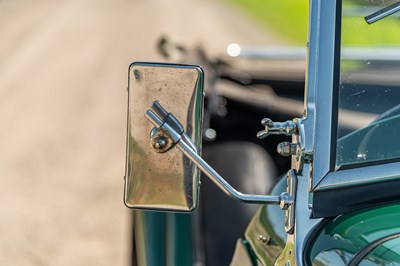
(368, 249)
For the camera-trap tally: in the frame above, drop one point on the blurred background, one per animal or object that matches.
(63, 80)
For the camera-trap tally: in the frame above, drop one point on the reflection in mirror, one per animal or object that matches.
(369, 88)
(162, 181)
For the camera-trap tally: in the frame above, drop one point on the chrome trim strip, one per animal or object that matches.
(360, 176)
(324, 43)
(319, 74)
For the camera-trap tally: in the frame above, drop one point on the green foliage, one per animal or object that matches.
(356, 32)
(288, 18)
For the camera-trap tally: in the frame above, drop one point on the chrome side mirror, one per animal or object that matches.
(157, 179)
(165, 111)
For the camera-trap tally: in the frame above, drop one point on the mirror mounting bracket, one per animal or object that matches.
(288, 128)
(168, 132)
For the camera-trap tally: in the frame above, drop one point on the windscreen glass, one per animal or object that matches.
(369, 87)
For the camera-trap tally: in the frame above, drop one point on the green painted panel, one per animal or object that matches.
(269, 223)
(342, 237)
(163, 238)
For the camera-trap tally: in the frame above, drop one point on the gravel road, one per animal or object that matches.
(63, 78)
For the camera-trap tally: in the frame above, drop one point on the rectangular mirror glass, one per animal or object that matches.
(162, 181)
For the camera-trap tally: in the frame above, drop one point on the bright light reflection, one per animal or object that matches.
(233, 49)
(362, 156)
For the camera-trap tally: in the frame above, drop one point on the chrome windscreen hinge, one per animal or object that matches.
(291, 128)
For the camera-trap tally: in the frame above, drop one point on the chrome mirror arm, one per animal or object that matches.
(225, 186)
(172, 131)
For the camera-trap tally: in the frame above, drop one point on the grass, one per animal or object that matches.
(289, 19)
(356, 32)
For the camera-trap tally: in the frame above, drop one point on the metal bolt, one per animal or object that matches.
(262, 239)
(268, 241)
(287, 148)
(160, 143)
(286, 201)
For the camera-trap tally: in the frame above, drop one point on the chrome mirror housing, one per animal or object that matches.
(160, 177)
(156, 179)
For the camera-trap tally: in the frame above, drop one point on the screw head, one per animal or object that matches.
(286, 201)
(160, 143)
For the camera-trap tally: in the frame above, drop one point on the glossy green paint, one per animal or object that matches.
(162, 238)
(269, 223)
(179, 239)
(150, 237)
(342, 237)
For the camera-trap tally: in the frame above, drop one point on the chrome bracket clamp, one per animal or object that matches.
(168, 132)
(291, 186)
(288, 128)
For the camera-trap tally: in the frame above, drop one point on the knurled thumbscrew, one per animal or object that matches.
(287, 128)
